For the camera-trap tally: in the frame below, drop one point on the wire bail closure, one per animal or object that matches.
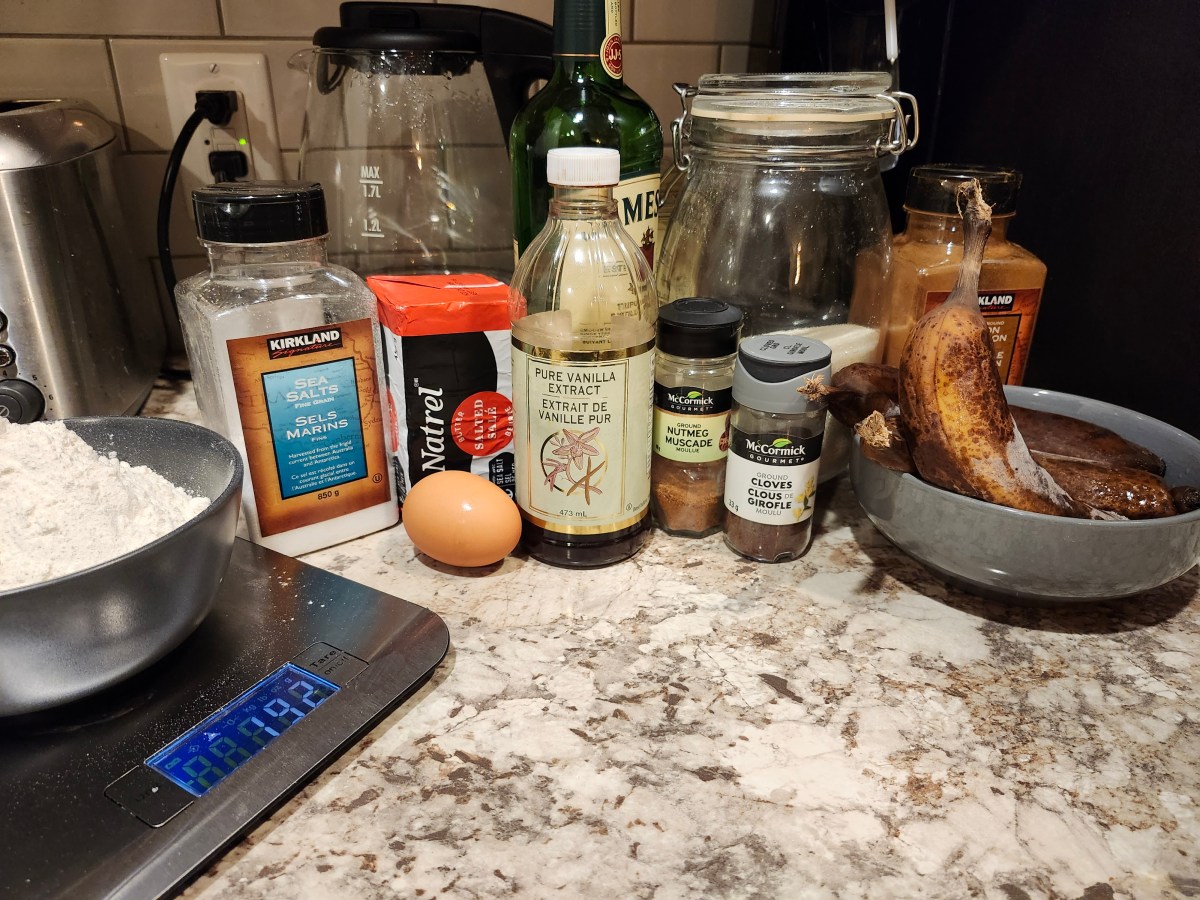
(686, 92)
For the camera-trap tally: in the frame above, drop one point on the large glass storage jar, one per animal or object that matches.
(783, 211)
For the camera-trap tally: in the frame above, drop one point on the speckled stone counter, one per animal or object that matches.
(688, 724)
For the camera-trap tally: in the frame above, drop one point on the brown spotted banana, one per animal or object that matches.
(962, 435)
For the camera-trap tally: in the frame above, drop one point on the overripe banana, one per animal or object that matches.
(952, 404)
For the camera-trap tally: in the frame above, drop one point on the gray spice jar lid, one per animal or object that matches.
(771, 368)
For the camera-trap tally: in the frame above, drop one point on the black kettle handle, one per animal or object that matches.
(516, 50)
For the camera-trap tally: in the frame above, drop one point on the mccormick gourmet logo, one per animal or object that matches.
(304, 342)
(691, 400)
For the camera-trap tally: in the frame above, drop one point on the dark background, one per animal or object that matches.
(1097, 104)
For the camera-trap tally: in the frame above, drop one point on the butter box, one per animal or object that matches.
(446, 348)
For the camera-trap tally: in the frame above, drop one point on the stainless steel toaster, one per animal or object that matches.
(79, 336)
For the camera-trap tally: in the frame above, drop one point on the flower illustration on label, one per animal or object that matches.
(574, 461)
(803, 501)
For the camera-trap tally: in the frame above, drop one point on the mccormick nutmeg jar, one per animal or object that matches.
(693, 393)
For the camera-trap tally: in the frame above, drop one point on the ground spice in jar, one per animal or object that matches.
(697, 340)
(776, 427)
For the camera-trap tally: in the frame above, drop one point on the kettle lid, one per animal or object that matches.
(402, 28)
(37, 133)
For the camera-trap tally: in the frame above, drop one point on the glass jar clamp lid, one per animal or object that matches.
(807, 114)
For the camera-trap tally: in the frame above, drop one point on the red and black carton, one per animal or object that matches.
(446, 348)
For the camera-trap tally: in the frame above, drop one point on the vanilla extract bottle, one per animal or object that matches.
(583, 312)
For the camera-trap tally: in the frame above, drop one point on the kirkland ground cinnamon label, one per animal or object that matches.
(1011, 316)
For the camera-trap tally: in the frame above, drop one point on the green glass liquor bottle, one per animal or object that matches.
(585, 103)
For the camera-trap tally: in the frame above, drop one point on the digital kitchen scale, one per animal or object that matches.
(134, 791)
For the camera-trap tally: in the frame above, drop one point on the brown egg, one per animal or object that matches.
(461, 519)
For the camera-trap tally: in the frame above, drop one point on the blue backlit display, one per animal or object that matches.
(202, 756)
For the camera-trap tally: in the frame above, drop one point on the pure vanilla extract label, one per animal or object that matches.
(312, 422)
(772, 478)
(691, 424)
(1010, 316)
(582, 431)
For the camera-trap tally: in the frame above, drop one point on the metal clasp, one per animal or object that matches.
(686, 92)
(899, 140)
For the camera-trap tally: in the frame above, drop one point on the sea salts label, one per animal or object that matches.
(691, 424)
(582, 437)
(312, 422)
(772, 478)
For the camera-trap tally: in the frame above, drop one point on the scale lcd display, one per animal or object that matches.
(205, 754)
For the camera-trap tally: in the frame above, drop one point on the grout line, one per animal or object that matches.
(116, 83)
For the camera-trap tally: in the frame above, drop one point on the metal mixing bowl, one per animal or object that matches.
(996, 551)
(63, 639)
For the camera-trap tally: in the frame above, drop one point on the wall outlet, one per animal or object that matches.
(252, 129)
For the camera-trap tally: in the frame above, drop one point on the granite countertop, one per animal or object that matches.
(688, 724)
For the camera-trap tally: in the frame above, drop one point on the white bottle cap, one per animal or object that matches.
(583, 166)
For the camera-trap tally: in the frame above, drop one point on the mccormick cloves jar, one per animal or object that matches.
(775, 434)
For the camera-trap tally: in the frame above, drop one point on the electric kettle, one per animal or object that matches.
(406, 125)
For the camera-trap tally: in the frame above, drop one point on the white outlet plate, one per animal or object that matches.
(252, 129)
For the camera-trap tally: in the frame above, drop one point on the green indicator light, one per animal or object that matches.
(242, 142)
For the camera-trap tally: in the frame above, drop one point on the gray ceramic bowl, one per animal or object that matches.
(63, 639)
(996, 551)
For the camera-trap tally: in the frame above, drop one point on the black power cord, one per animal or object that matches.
(217, 107)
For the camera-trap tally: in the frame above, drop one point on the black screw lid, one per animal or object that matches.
(933, 188)
(260, 212)
(698, 328)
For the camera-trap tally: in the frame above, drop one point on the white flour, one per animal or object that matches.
(68, 508)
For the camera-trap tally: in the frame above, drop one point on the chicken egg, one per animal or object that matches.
(461, 519)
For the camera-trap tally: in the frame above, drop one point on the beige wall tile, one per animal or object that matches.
(277, 18)
(542, 10)
(735, 58)
(696, 20)
(139, 79)
(52, 68)
(111, 17)
(651, 69)
(142, 175)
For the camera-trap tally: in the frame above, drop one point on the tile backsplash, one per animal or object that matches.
(106, 52)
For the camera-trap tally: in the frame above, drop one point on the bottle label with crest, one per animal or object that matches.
(611, 55)
(637, 208)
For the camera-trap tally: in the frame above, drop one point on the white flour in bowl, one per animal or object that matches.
(68, 508)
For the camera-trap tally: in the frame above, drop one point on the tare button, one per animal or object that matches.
(330, 663)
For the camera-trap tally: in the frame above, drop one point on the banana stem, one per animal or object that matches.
(977, 224)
